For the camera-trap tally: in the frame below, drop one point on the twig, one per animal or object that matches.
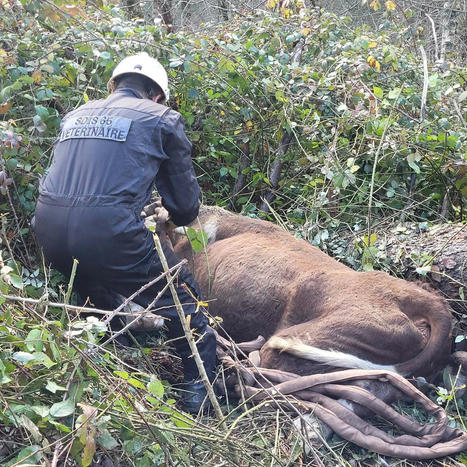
(459, 113)
(71, 281)
(56, 455)
(143, 288)
(435, 37)
(80, 309)
(425, 84)
(189, 337)
(146, 310)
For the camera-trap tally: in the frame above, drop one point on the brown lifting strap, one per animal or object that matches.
(316, 393)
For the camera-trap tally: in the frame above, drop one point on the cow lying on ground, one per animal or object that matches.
(317, 314)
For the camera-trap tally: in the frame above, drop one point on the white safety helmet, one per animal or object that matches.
(144, 65)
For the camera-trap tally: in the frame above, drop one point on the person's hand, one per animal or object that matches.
(161, 216)
(150, 208)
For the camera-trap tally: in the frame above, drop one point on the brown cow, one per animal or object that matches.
(261, 280)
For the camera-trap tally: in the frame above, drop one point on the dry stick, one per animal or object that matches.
(245, 158)
(375, 163)
(189, 337)
(459, 113)
(142, 289)
(425, 84)
(435, 37)
(71, 281)
(145, 311)
(81, 309)
(111, 314)
(445, 17)
(276, 170)
(56, 455)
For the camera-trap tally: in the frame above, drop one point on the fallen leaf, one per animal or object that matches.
(4, 108)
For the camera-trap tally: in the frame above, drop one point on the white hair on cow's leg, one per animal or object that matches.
(210, 228)
(329, 357)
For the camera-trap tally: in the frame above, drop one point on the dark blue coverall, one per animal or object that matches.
(109, 155)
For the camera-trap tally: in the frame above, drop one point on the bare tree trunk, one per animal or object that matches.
(276, 167)
(240, 182)
(164, 8)
(439, 252)
(132, 8)
(276, 170)
(224, 9)
(445, 33)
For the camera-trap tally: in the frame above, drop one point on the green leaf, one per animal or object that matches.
(122, 374)
(198, 239)
(62, 409)
(44, 359)
(23, 357)
(106, 440)
(414, 167)
(40, 410)
(156, 388)
(136, 383)
(423, 270)
(133, 446)
(34, 340)
(223, 171)
(444, 123)
(12, 163)
(233, 173)
(42, 111)
(28, 456)
(452, 141)
(379, 93)
(54, 387)
(60, 426)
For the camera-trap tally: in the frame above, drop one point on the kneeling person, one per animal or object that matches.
(107, 159)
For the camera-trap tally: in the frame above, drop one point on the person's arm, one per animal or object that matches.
(176, 181)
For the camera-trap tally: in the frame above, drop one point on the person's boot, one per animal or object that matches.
(194, 397)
